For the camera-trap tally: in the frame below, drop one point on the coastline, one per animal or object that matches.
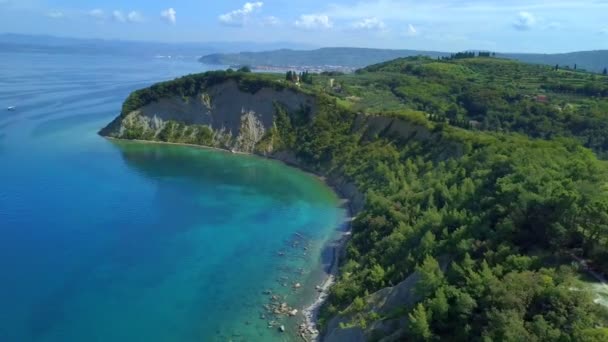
(308, 330)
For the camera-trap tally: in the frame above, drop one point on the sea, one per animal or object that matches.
(123, 241)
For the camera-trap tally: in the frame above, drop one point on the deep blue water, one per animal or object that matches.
(118, 241)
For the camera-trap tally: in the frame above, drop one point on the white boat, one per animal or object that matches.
(11, 108)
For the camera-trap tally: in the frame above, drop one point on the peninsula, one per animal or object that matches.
(478, 185)
(345, 58)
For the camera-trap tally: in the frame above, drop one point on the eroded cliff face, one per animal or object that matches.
(238, 119)
(404, 131)
(234, 119)
(345, 327)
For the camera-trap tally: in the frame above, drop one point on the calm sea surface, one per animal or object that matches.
(115, 241)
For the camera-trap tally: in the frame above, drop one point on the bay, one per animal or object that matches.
(125, 241)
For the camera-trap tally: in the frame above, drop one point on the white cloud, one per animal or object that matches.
(55, 14)
(271, 21)
(240, 16)
(370, 24)
(97, 14)
(169, 15)
(135, 17)
(119, 16)
(454, 10)
(411, 31)
(525, 21)
(314, 21)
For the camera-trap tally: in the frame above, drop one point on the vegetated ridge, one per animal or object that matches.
(594, 61)
(476, 187)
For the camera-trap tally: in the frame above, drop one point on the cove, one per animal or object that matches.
(125, 241)
(258, 230)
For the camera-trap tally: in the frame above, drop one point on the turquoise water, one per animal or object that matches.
(119, 241)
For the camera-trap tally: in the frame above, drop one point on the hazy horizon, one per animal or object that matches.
(260, 46)
(437, 25)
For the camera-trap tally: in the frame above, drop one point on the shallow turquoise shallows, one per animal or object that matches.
(122, 241)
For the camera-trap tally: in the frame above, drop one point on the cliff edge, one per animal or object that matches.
(422, 150)
(268, 119)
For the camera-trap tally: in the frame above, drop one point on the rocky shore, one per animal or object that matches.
(309, 330)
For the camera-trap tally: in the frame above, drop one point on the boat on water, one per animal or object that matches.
(11, 108)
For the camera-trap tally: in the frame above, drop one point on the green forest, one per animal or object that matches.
(488, 94)
(490, 207)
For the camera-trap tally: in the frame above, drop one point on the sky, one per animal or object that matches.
(442, 25)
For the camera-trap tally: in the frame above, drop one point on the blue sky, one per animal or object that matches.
(447, 25)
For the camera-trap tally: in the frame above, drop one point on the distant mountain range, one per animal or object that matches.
(344, 57)
(11, 43)
(359, 57)
(278, 54)
(594, 61)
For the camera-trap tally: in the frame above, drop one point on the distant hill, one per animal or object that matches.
(344, 57)
(358, 57)
(19, 43)
(594, 61)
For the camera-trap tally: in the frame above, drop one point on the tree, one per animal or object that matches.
(506, 325)
(440, 306)
(293, 76)
(419, 324)
(594, 335)
(306, 77)
(431, 277)
(244, 69)
(376, 276)
(556, 67)
(605, 71)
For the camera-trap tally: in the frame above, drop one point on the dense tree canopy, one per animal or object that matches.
(490, 221)
(490, 94)
(503, 217)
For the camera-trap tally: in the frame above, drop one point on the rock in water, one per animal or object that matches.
(282, 328)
